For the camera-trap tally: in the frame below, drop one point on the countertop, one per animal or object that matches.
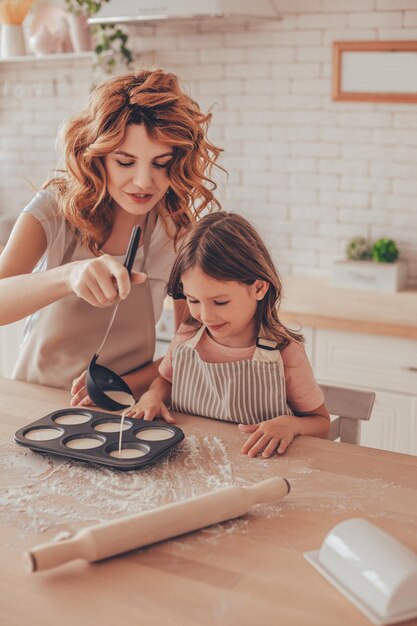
(246, 571)
(314, 302)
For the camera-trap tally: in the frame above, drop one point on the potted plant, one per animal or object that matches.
(371, 266)
(110, 41)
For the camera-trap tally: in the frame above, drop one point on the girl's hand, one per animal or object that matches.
(99, 281)
(150, 406)
(79, 393)
(269, 435)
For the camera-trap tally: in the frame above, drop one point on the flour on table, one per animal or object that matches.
(43, 492)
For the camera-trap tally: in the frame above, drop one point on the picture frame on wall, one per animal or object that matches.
(375, 71)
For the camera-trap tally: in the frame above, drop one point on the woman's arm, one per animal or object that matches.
(98, 281)
(23, 293)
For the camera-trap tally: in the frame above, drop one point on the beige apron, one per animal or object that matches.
(248, 391)
(69, 331)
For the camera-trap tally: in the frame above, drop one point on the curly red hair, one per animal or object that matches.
(155, 99)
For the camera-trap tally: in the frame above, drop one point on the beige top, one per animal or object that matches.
(58, 236)
(61, 338)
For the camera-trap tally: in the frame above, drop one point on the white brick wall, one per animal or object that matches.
(310, 172)
(35, 98)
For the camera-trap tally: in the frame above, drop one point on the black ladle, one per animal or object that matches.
(99, 379)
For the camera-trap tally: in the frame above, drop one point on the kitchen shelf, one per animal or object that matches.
(162, 10)
(59, 56)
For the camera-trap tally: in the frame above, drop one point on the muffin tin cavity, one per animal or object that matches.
(128, 451)
(93, 436)
(43, 434)
(68, 418)
(155, 434)
(113, 426)
(83, 443)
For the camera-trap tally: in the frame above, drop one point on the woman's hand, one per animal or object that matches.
(150, 406)
(267, 436)
(99, 281)
(79, 393)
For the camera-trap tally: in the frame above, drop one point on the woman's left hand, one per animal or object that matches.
(267, 436)
(79, 393)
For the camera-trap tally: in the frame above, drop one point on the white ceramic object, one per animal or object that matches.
(55, 18)
(12, 41)
(45, 41)
(79, 31)
(371, 568)
(370, 276)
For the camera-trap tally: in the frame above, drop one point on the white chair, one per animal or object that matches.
(350, 406)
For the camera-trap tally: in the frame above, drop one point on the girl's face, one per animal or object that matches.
(136, 171)
(227, 308)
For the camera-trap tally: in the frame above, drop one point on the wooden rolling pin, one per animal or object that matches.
(128, 533)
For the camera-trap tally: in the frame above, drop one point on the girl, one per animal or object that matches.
(138, 154)
(233, 359)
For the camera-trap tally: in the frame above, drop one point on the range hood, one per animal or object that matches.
(118, 11)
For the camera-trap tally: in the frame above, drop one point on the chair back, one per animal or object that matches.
(350, 406)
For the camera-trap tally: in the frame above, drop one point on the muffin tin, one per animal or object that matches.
(94, 436)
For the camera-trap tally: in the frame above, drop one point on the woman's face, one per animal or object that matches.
(136, 171)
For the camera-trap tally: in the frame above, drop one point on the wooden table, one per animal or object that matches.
(246, 572)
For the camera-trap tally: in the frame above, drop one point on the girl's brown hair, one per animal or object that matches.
(154, 99)
(225, 246)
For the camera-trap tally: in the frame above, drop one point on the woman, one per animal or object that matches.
(137, 155)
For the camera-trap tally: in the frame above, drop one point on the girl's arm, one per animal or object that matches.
(140, 379)
(279, 432)
(98, 281)
(154, 402)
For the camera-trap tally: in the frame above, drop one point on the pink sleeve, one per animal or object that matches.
(165, 367)
(183, 333)
(303, 393)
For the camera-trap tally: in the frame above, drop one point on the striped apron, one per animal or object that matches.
(248, 391)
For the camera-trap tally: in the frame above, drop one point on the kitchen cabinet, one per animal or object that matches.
(366, 340)
(386, 365)
(393, 424)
